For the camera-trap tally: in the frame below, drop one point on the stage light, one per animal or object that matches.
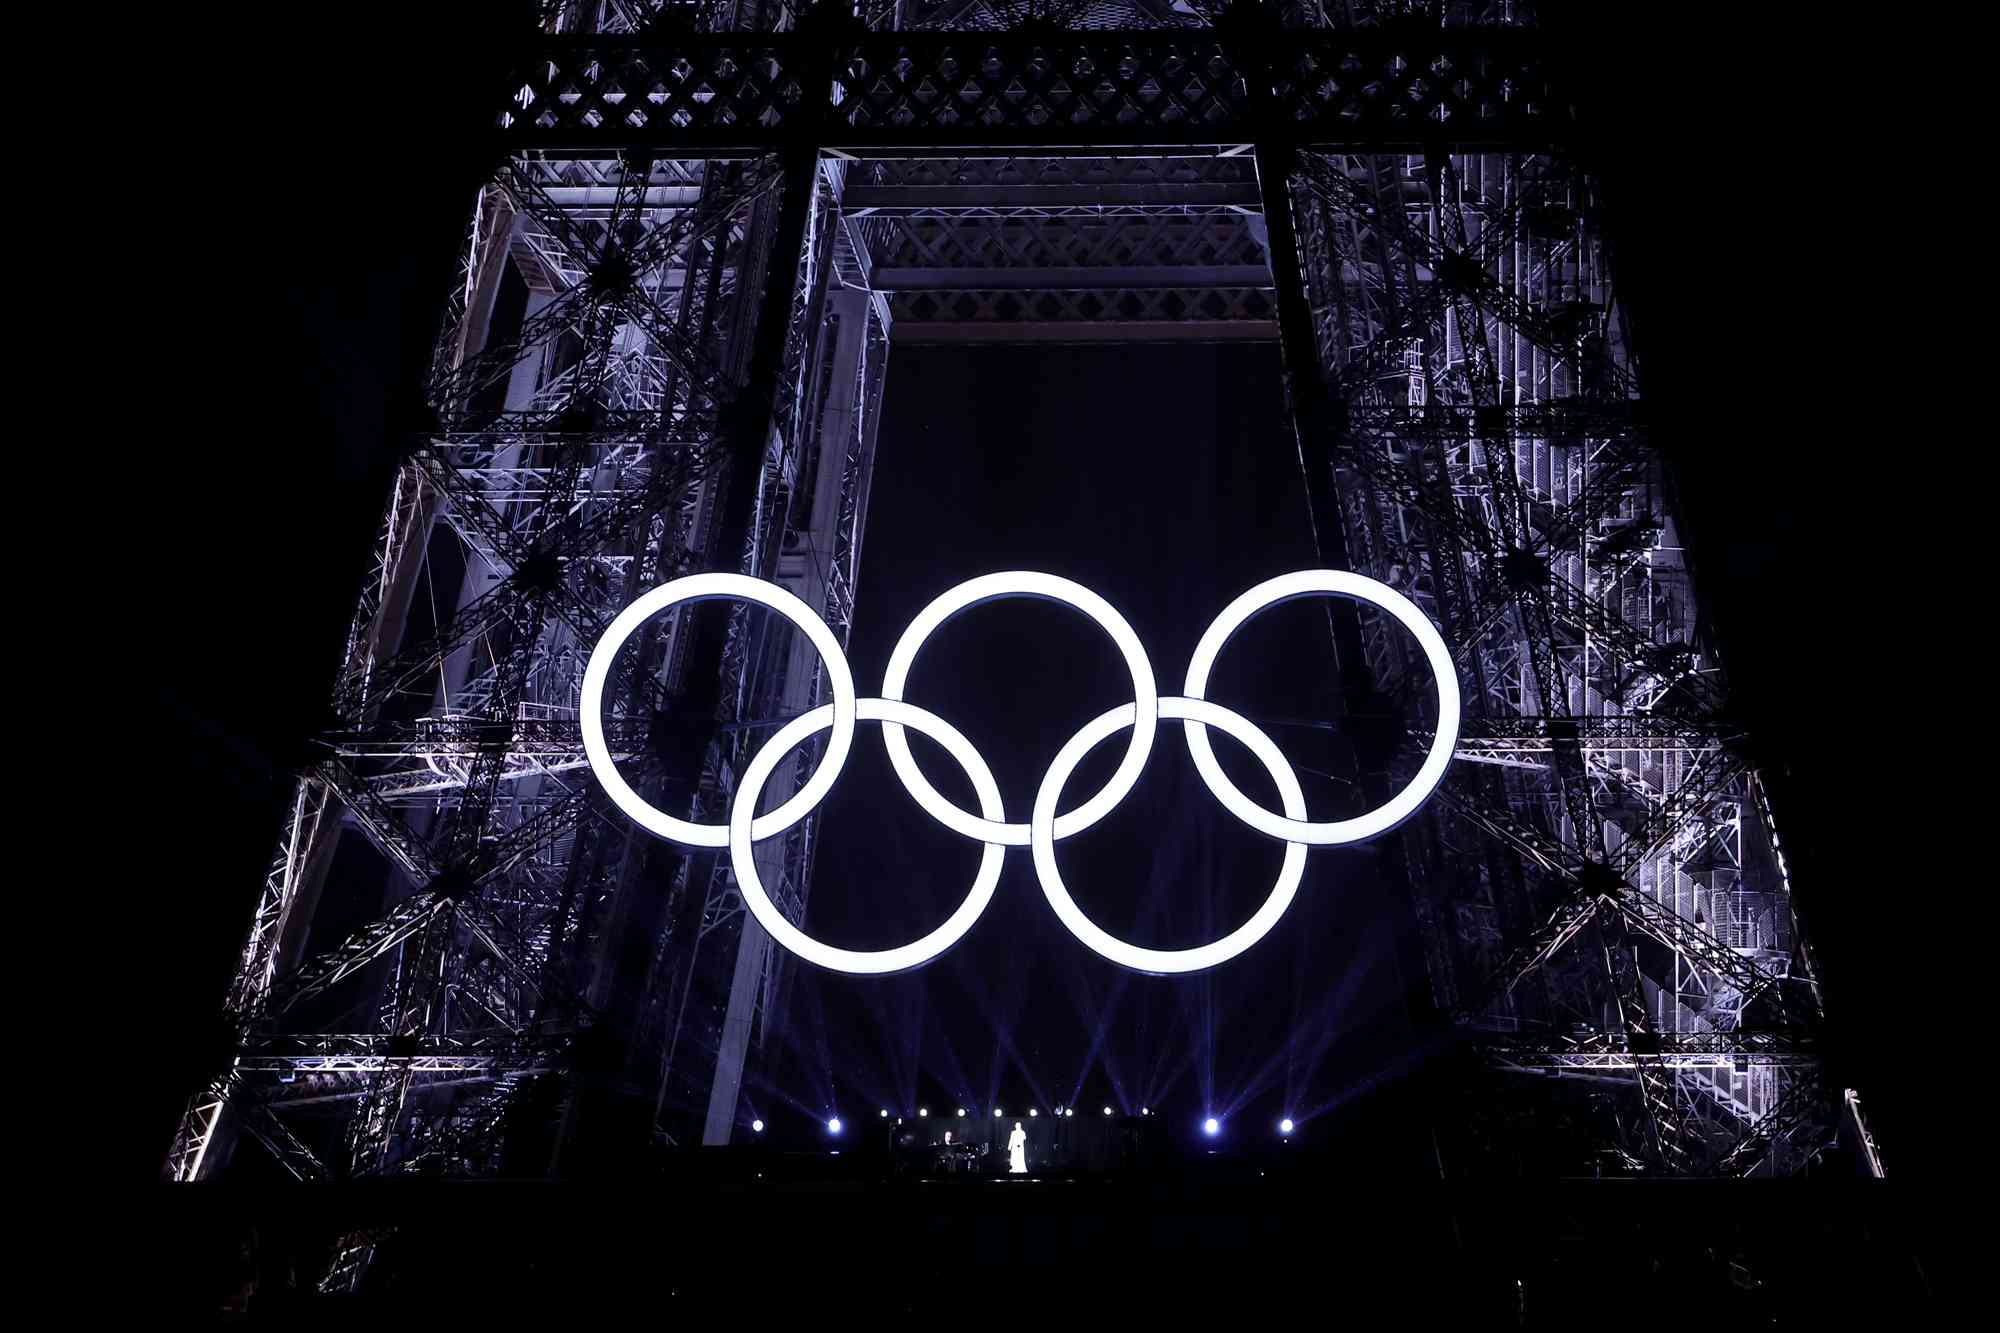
(923, 1110)
(885, 1113)
(996, 1113)
(1211, 1126)
(961, 1112)
(756, 1127)
(1144, 1111)
(1071, 1112)
(1107, 1110)
(1285, 1126)
(1032, 1113)
(833, 1125)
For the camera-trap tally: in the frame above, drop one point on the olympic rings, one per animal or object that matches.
(889, 712)
(1309, 583)
(993, 588)
(1166, 962)
(709, 588)
(1045, 827)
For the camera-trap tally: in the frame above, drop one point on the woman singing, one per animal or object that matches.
(1017, 1150)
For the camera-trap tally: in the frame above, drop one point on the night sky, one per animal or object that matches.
(284, 384)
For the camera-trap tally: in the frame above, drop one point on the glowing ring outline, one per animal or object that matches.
(997, 587)
(1167, 962)
(858, 962)
(709, 588)
(1340, 583)
(1046, 828)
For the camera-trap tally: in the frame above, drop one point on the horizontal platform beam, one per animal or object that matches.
(1391, 88)
(944, 200)
(375, 1064)
(1546, 1061)
(588, 199)
(1073, 278)
(556, 738)
(915, 331)
(1674, 1050)
(290, 1091)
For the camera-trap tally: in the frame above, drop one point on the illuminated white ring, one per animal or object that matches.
(709, 588)
(1166, 962)
(879, 962)
(992, 588)
(1310, 583)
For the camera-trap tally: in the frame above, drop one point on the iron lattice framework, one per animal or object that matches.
(665, 352)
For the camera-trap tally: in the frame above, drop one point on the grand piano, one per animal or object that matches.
(917, 1153)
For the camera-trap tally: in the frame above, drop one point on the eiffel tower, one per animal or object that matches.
(705, 230)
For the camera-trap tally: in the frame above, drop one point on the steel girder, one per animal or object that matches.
(575, 463)
(982, 199)
(1392, 86)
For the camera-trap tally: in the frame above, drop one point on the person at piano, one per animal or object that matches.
(1017, 1151)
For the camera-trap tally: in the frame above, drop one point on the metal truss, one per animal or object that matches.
(620, 337)
(1593, 1050)
(895, 91)
(1484, 452)
(664, 351)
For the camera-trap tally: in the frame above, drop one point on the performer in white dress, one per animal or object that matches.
(1017, 1150)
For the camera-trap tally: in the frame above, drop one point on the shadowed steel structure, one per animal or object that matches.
(704, 232)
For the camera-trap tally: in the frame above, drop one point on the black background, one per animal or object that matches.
(333, 240)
